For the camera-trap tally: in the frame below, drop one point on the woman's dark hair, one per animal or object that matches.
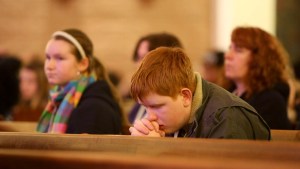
(157, 40)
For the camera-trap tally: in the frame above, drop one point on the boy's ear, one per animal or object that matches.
(187, 96)
(83, 64)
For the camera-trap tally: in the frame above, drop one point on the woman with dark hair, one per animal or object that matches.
(258, 65)
(83, 100)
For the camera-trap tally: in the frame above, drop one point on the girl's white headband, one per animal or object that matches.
(71, 39)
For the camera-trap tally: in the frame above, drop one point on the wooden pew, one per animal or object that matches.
(17, 126)
(285, 135)
(36, 159)
(97, 149)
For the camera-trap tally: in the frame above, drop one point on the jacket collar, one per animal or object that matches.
(197, 97)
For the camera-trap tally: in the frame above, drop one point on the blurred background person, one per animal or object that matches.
(296, 68)
(33, 92)
(258, 65)
(213, 69)
(9, 84)
(153, 41)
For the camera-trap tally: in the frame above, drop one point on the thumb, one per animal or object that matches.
(162, 133)
(155, 125)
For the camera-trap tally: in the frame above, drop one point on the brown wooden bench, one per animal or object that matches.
(285, 135)
(36, 159)
(241, 153)
(17, 126)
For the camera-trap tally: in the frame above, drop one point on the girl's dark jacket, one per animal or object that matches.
(97, 112)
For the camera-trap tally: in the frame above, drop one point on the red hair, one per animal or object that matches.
(163, 71)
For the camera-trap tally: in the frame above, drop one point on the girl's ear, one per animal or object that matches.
(187, 96)
(83, 64)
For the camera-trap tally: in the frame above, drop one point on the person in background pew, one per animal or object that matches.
(258, 65)
(182, 104)
(213, 69)
(296, 68)
(9, 84)
(82, 99)
(33, 92)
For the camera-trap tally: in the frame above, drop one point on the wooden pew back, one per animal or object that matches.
(285, 135)
(112, 151)
(17, 126)
(149, 146)
(36, 159)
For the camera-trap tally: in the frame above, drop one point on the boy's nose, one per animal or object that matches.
(151, 116)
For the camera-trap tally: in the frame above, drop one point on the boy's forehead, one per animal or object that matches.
(148, 97)
(152, 98)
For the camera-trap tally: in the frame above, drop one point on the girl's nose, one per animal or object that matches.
(50, 63)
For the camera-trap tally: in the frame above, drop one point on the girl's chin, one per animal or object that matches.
(51, 82)
(55, 83)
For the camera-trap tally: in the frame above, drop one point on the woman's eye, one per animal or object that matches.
(238, 49)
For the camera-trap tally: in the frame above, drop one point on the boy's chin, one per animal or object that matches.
(168, 131)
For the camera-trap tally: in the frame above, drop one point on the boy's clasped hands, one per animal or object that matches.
(145, 127)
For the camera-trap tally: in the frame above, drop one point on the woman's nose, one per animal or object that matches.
(228, 54)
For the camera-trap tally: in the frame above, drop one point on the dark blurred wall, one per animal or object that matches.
(288, 27)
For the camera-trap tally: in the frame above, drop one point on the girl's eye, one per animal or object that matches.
(58, 57)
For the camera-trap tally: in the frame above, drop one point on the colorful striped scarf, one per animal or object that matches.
(62, 102)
